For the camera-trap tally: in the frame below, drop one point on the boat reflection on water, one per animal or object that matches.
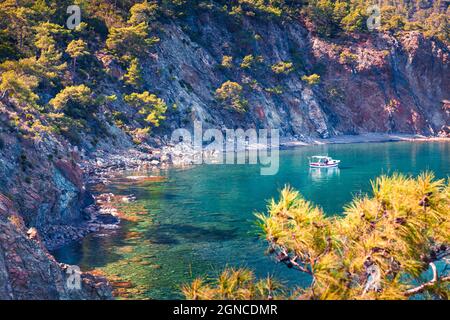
(321, 174)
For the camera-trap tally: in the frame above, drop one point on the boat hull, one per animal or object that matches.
(324, 166)
(332, 164)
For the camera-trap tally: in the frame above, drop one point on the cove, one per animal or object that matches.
(201, 219)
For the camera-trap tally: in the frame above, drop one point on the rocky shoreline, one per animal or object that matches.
(98, 172)
(100, 216)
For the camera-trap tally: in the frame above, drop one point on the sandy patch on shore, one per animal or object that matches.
(361, 138)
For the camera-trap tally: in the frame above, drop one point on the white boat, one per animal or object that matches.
(323, 162)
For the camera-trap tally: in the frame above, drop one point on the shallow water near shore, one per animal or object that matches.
(197, 221)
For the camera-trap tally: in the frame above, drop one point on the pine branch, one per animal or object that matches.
(426, 285)
(284, 257)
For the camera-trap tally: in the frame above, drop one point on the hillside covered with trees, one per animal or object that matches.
(58, 78)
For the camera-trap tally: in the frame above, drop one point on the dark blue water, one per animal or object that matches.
(202, 219)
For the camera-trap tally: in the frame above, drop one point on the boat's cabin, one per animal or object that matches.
(320, 159)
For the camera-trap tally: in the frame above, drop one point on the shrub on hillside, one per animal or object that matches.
(230, 94)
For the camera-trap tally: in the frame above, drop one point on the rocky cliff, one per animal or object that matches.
(368, 83)
(28, 271)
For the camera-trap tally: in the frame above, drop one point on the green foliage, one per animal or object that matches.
(19, 86)
(247, 62)
(275, 90)
(233, 284)
(356, 20)
(227, 62)
(133, 77)
(312, 79)
(330, 18)
(134, 39)
(130, 40)
(7, 48)
(258, 7)
(46, 33)
(149, 106)
(35, 45)
(340, 11)
(143, 12)
(49, 61)
(74, 109)
(392, 21)
(393, 234)
(283, 67)
(378, 249)
(438, 25)
(119, 119)
(322, 13)
(230, 94)
(348, 58)
(17, 23)
(72, 100)
(76, 49)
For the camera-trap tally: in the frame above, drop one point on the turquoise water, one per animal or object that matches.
(199, 220)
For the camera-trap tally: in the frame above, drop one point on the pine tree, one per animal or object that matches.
(230, 95)
(74, 101)
(133, 76)
(312, 79)
(392, 245)
(149, 106)
(19, 86)
(19, 22)
(130, 40)
(227, 62)
(76, 49)
(355, 21)
(143, 12)
(49, 60)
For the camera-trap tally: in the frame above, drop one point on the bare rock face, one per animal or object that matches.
(43, 179)
(28, 271)
(41, 186)
(368, 83)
